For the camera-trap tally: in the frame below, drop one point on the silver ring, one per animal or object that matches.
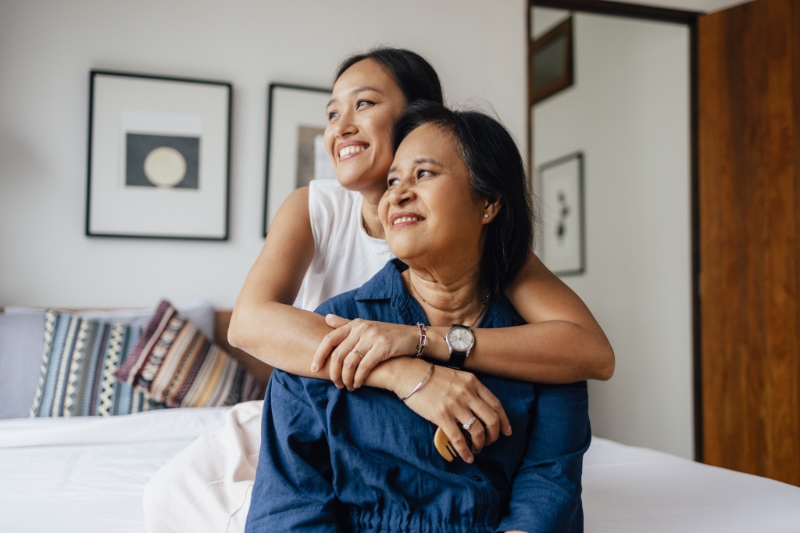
(361, 355)
(469, 423)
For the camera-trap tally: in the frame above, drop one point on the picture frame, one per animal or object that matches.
(295, 149)
(561, 212)
(551, 64)
(158, 157)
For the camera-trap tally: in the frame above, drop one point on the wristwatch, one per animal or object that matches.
(460, 341)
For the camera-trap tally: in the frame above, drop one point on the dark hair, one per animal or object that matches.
(497, 173)
(416, 77)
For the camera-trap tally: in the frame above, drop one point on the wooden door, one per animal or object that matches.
(749, 237)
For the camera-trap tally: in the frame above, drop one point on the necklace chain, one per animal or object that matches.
(480, 314)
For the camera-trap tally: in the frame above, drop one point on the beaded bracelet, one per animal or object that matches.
(423, 339)
(419, 385)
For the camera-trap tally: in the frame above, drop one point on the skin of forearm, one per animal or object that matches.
(544, 352)
(280, 335)
(294, 335)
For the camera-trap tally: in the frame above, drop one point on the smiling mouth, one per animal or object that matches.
(351, 150)
(405, 220)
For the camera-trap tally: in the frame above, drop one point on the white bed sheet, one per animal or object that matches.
(88, 474)
(635, 490)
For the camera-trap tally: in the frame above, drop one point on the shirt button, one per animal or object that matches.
(477, 478)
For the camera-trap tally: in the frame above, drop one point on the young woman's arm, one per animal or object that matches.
(264, 323)
(562, 342)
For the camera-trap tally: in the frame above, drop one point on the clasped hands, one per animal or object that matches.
(376, 353)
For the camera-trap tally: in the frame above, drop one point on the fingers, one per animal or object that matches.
(458, 440)
(352, 362)
(373, 341)
(335, 321)
(329, 341)
(468, 413)
(490, 412)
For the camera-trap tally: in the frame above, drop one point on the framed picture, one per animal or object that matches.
(551, 64)
(159, 157)
(561, 211)
(295, 150)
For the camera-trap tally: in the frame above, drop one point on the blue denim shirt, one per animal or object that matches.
(333, 460)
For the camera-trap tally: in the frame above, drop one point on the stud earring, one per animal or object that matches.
(486, 215)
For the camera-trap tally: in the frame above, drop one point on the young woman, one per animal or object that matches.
(457, 216)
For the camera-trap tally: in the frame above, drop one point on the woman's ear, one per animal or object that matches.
(490, 210)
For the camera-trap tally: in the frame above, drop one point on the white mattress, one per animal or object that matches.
(87, 475)
(628, 489)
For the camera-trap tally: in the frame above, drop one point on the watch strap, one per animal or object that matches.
(457, 359)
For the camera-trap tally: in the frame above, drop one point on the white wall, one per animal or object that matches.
(637, 281)
(629, 113)
(47, 48)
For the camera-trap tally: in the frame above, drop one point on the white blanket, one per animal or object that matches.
(87, 475)
(635, 490)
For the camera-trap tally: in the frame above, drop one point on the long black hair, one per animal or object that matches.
(416, 77)
(497, 173)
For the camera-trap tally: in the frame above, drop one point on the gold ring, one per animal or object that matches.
(361, 355)
(469, 423)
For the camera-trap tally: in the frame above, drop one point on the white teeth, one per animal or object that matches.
(403, 220)
(352, 149)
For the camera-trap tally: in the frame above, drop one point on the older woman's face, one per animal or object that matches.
(429, 214)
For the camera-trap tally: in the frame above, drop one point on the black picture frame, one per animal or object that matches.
(562, 239)
(551, 63)
(295, 154)
(158, 157)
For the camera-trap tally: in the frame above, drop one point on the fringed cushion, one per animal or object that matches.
(175, 363)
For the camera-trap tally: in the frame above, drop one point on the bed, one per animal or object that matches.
(88, 473)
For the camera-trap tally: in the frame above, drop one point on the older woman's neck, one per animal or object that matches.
(450, 298)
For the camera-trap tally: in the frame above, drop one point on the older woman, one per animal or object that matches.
(457, 216)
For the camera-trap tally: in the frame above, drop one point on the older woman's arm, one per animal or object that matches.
(546, 494)
(292, 490)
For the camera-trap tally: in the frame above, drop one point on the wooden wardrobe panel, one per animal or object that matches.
(749, 222)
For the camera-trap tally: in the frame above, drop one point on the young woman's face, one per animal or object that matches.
(365, 103)
(429, 214)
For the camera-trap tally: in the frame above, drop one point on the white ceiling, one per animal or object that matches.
(703, 6)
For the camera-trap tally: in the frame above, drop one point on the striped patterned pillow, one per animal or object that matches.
(175, 363)
(79, 360)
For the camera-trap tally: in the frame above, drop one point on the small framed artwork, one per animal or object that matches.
(159, 157)
(561, 211)
(295, 149)
(551, 64)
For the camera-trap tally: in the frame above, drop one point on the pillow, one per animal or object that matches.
(79, 359)
(20, 360)
(175, 363)
(22, 333)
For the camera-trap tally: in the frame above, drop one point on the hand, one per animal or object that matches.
(357, 346)
(451, 398)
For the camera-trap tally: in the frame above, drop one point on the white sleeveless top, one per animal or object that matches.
(345, 257)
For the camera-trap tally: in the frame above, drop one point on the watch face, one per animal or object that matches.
(461, 339)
